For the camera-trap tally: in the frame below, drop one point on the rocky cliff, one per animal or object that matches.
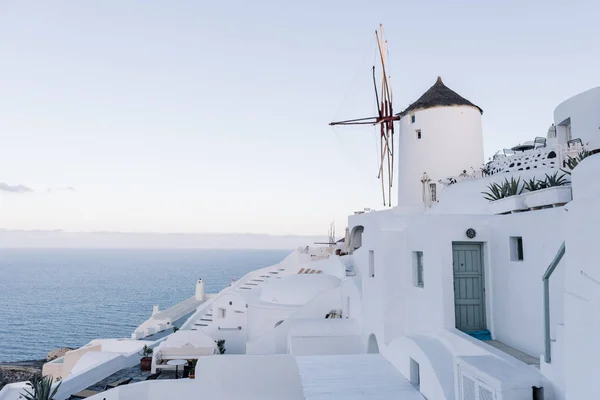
(18, 371)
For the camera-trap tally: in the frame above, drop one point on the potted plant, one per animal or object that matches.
(572, 162)
(146, 360)
(221, 345)
(192, 366)
(553, 190)
(505, 197)
(40, 388)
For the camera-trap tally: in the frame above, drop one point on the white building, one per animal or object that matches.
(429, 277)
(441, 297)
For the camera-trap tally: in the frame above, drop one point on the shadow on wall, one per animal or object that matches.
(356, 237)
(372, 346)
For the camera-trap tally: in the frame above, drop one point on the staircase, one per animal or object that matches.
(204, 321)
(252, 283)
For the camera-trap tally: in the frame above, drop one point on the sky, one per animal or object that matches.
(197, 116)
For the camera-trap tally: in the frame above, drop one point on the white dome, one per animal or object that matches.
(295, 290)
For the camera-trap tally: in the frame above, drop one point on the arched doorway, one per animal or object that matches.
(372, 346)
(356, 237)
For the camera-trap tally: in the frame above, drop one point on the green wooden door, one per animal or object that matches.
(469, 292)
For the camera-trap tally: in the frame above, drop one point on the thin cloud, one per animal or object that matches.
(61, 189)
(5, 187)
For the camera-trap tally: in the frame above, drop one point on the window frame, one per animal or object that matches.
(418, 269)
(516, 249)
(433, 192)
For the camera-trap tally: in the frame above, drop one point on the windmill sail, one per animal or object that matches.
(385, 119)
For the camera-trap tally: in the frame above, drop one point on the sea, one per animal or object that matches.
(51, 298)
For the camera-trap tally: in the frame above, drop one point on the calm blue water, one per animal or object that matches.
(52, 298)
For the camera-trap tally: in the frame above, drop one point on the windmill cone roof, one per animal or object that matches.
(438, 95)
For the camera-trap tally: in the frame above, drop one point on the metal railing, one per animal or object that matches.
(546, 279)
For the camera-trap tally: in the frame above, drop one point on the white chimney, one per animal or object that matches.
(155, 309)
(200, 290)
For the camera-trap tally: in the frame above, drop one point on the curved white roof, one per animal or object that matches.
(296, 290)
(189, 338)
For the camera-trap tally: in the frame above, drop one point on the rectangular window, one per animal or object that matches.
(418, 268)
(516, 248)
(418, 133)
(222, 312)
(412, 119)
(371, 263)
(433, 190)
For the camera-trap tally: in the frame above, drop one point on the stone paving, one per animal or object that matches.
(135, 373)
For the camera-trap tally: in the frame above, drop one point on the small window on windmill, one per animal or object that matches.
(433, 191)
(418, 133)
(412, 119)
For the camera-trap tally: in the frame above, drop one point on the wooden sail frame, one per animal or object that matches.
(385, 119)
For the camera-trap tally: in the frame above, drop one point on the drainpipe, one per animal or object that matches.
(546, 279)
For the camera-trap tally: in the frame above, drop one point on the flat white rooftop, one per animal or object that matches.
(358, 376)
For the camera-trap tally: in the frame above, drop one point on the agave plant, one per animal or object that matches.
(40, 388)
(572, 162)
(505, 189)
(555, 180)
(532, 184)
(513, 187)
(496, 192)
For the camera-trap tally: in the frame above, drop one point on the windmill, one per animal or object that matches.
(385, 119)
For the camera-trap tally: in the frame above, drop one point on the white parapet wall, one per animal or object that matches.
(224, 378)
(163, 320)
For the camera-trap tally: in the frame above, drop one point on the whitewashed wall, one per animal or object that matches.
(451, 141)
(325, 345)
(264, 317)
(517, 290)
(392, 306)
(582, 291)
(273, 340)
(466, 197)
(236, 315)
(585, 118)
(542, 158)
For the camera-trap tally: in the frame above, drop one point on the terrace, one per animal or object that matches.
(126, 376)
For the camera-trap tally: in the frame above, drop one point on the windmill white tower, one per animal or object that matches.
(440, 136)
